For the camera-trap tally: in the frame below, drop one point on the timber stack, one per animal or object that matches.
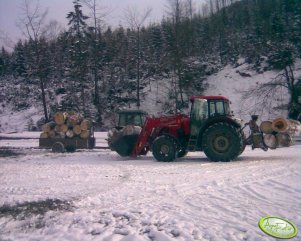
(279, 132)
(67, 125)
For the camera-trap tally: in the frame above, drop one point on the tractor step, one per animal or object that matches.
(192, 142)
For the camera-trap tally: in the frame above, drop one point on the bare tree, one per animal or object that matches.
(176, 11)
(31, 24)
(52, 30)
(97, 15)
(32, 19)
(5, 40)
(136, 20)
(267, 95)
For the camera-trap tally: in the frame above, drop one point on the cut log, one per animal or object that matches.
(57, 128)
(85, 124)
(44, 135)
(85, 134)
(69, 134)
(137, 130)
(123, 141)
(51, 134)
(77, 130)
(115, 135)
(48, 126)
(284, 140)
(128, 130)
(74, 119)
(280, 125)
(295, 127)
(270, 141)
(61, 135)
(59, 118)
(266, 127)
(64, 128)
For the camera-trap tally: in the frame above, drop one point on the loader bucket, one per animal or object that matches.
(125, 145)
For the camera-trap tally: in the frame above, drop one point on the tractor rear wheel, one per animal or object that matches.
(222, 142)
(164, 149)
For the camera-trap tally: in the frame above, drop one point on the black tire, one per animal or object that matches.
(58, 147)
(222, 142)
(164, 149)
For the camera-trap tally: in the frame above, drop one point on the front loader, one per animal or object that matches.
(210, 128)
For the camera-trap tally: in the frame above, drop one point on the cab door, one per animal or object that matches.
(198, 115)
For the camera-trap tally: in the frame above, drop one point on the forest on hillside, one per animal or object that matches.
(95, 69)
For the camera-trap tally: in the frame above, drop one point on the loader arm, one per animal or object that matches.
(153, 127)
(143, 138)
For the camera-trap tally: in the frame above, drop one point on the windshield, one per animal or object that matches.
(129, 119)
(219, 107)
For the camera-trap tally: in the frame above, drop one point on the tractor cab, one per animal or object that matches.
(131, 117)
(206, 108)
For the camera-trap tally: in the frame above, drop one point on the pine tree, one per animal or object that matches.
(18, 60)
(78, 53)
(5, 60)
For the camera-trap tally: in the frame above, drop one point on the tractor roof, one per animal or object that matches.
(211, 97)
(132, 112)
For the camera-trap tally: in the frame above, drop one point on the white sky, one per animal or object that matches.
(58, 9)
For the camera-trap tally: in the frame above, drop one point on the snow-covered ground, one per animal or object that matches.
(97, 195)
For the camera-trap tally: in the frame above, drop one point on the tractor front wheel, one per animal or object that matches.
(164, 149)
(222, 142)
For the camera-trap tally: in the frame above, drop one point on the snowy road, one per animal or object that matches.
(107, 197)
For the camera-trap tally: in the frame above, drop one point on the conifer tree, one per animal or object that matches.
(78, 53)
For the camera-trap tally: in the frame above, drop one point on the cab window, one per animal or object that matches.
(217, 108)
(199, 110)
(220, 107)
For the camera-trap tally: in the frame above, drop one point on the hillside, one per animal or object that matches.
(155, 100)
(248, 51)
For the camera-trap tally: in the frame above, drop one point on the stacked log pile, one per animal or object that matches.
(67, 125)
(279, 132)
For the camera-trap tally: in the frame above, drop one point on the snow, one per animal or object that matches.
(229, 82)
(17, 121)
(108, 197)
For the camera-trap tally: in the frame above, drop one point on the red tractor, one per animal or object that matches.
(210, 128)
